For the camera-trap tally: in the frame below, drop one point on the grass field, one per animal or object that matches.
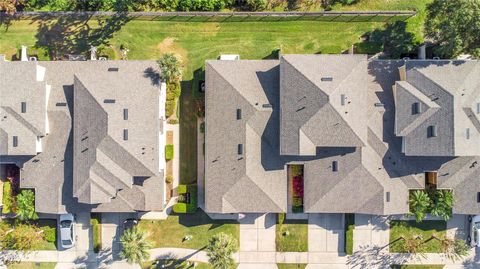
(291, 265)
(171, 232)
(32, 265)
(297, 238)
(424, 230)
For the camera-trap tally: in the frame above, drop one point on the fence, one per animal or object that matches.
(332, 16)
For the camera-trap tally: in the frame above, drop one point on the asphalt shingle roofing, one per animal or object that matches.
(364, 147)
(100, 178)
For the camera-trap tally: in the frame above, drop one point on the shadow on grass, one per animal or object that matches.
(394, 40)
(69, 34)
(201, 218)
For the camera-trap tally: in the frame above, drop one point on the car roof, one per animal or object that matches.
(65, 233)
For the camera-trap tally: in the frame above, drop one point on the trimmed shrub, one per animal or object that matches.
(50, 234)
(349, 227)
(172, 121)
(169, 152)
(97, 233)
(191, 207)
(8, 200)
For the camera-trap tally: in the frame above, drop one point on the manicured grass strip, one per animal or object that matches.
(349, 227)
(424, 230)
(417, 266)
(7, 199)
(174, 264)
(97, 232)
(169, 152)
(171, 232)
(292, 236)
(291, 265)
(32, 265)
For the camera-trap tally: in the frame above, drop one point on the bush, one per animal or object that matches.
(184, 207)
(169, 152)
(202, 5)
(50, 234)
(8, 200)
(255, 5)
(349, 227)
(169, 179)
(97, 233)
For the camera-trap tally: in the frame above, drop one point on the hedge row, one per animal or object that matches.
(169, 152)
(184, 207)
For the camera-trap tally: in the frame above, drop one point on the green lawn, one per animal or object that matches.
(170, 232)
(424, 229)
(418, 266)
(173, 264)
(297, 238)
(291, 265)
(32, 265)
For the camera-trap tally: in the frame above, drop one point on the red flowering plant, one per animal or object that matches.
(298, 186)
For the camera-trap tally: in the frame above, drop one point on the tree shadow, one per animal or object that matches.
(74, 34)
(395, 41)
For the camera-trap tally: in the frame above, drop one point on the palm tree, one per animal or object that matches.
(170, 67)
(443, 204)
(419, 204)
(135, 246)
(219, 251)
(26, 205)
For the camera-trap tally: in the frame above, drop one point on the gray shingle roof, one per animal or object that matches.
(22, 82)
(257, 180)
(448, 93)
(51, 172)
(312, 112)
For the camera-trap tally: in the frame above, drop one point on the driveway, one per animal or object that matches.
(257, 233)
(326, 233)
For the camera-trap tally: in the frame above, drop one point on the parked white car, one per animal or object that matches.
(474, 236)
(67, 230)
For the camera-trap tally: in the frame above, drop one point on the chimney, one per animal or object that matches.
(421, 52)
(24, 57)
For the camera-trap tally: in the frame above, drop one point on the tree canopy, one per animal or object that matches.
(26, 205)
(220, 249)
(135, 246)
(454, 25)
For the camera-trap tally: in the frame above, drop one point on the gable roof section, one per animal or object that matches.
(22, 82)
(312, 87)
(253, 181)
(449, 92)
(106, 162)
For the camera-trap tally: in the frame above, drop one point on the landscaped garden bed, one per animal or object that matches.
(349, 227)
(95, 222)
(292, 236)
(295, 176)
(37, 235)
(187, 230)
(417, 266)
(422, 233)
(291, 265)
(187, 199)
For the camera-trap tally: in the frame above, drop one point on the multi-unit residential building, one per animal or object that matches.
(87, 135)
(340, 133)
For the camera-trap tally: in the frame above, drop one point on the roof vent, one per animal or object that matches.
(432, 131)
(267, 105)
(125, 134)
(113, 69)
(125, 113)
(478, 197)
(240, 149)
(387, 196)
(334, 166)
(24, 107)
(15, 141)
(467, 133)
(326, 79)
(416, 108)
(109, 101)
(478, 108)
(239, 113)
(342, 99)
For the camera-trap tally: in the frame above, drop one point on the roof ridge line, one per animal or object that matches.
(22, 120)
